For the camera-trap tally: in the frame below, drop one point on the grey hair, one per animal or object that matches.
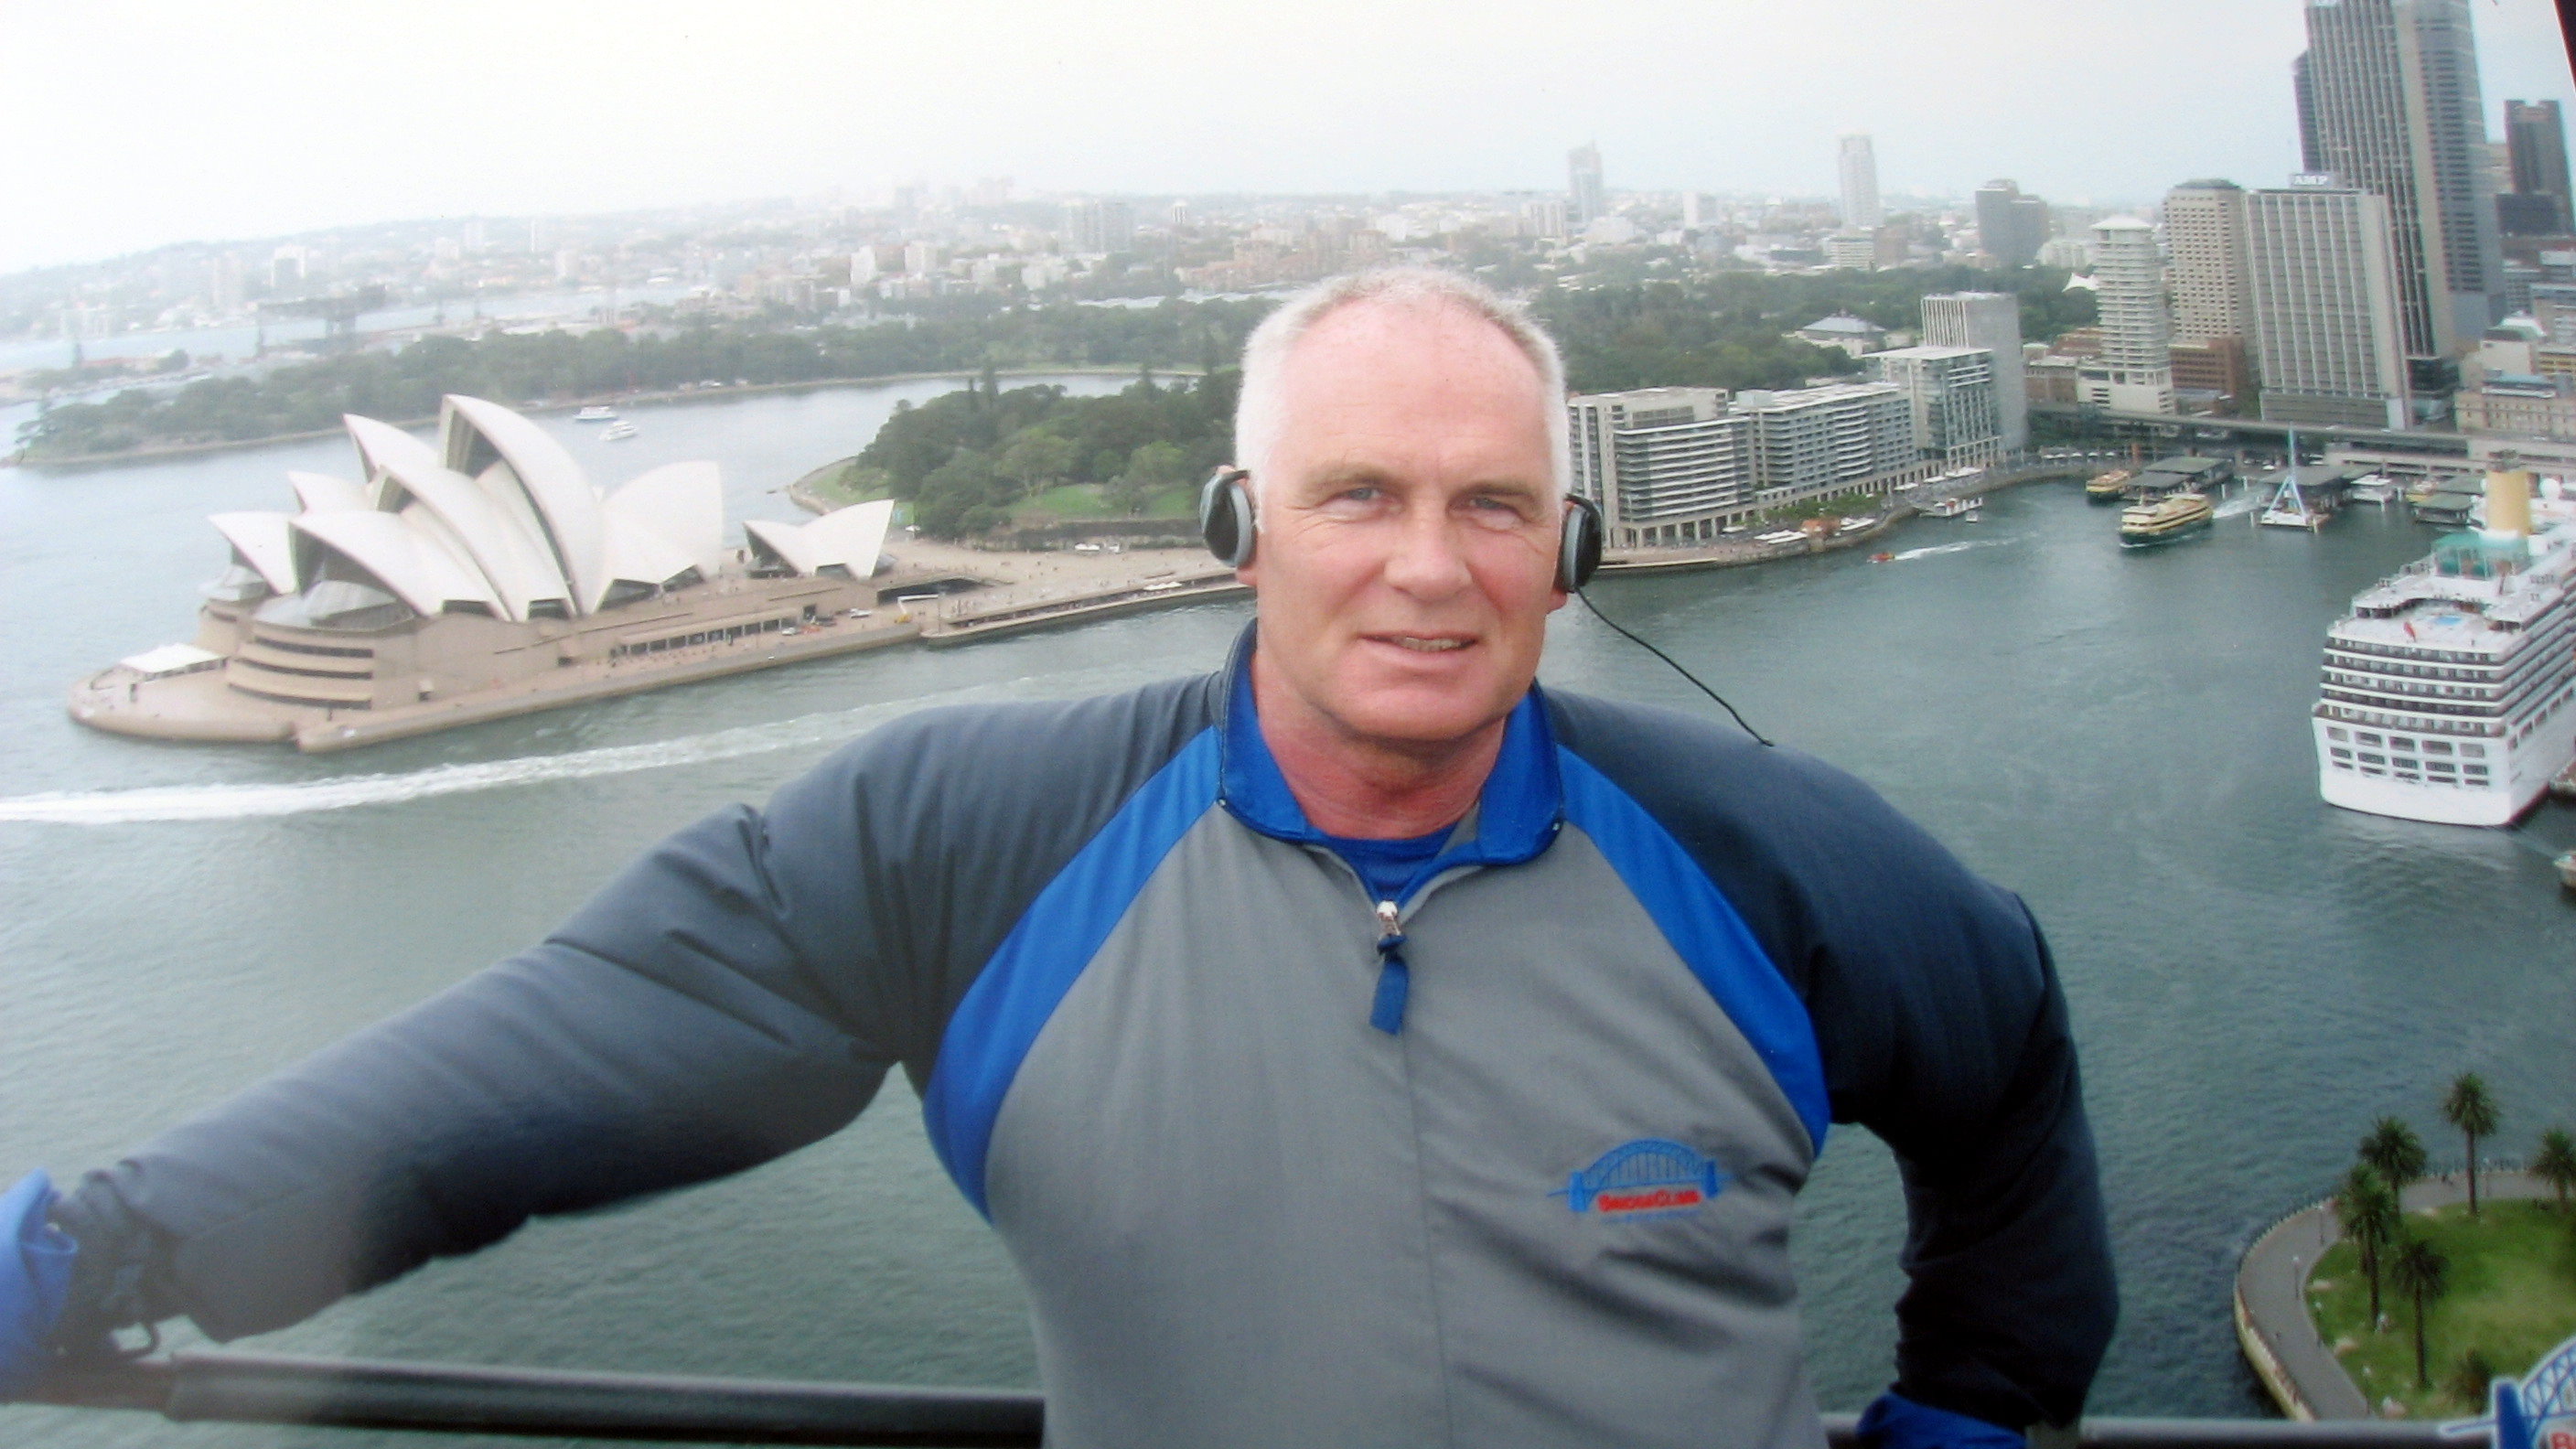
(1260, 409)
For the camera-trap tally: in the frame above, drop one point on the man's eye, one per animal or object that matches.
(1353, 500)
(1494, 512)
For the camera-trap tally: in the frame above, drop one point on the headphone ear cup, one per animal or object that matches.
(1225, 516)
(1578, 547)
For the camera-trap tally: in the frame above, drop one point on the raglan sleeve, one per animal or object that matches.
(731, 996)
(1944, 1030)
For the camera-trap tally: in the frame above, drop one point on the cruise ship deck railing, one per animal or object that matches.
(559, 1403)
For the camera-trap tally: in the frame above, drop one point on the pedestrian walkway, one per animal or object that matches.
(2272, 1321)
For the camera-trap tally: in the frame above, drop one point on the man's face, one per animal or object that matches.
(1409, 520)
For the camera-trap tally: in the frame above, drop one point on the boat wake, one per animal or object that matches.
(2239, 507)
(1938, 549)
(167, 803)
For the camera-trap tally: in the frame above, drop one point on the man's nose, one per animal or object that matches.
(1428, 561)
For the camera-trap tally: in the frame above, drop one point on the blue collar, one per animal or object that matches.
(1515, 817)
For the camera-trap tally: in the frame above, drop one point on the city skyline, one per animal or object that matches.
(256, 122)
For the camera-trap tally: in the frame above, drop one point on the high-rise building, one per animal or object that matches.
(2398, 113)
(2329, 338)
(1587, 198)
(2303, 91)
(1861, 211)
(2535, 140)
(1838, 438)
(1992, 321)
(2133, 374)
(2205, 237)
(1099, 226)
(1957, 422)
(2010, 226)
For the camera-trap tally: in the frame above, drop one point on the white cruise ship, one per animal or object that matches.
(2450, 689)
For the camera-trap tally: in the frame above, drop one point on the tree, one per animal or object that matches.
(2393, 1148)
(1150, 469)
(2421, 1273)
(2471, 1110)
(2556, 1164)
(2470, 1381)
(1034, 458)
(2367, 1208)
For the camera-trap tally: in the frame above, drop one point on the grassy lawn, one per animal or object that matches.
(1071, 501)
(2512, 1297)
(849, 486)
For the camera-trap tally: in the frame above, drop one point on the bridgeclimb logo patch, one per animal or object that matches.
(1645, 1178)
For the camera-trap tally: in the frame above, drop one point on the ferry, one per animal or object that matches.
(2450, 689)
(596, 413)
(617, 432)
(2168, 519)
(2109, 487)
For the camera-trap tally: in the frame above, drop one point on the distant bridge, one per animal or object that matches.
(2443, 443)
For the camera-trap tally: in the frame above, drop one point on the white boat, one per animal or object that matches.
(617, 432)
(596, 413)
(2292, 508)
(1952, 507)
(2375, 488)
(2450, 689)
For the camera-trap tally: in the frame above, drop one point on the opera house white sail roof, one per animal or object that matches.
(495, 517)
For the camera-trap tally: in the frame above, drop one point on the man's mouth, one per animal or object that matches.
(1422, 643)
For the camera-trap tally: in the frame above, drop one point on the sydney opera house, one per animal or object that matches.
(482, 575)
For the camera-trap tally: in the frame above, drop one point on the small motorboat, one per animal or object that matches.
(2567, 870)
(618, 432)
(1882, 558)
(596, 413)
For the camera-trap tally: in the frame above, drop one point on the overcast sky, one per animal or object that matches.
(124, 126)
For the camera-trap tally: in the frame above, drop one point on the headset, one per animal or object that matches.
(1226, 522)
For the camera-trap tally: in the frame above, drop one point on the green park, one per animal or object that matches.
(2440, 1285)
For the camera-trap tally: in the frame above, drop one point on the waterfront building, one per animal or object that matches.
(1843, 437)
(481, 575)
(1958, 421)
(2397, 113)
(2213, 296)
(2536, 157)
(1858, 163)
(2327, 335)
(2133, 374)
(2011, 227)
(2518, 405)
(1666, 465)
(1099, 227)
(1588, 199)
(1672, 466)
(1991, 320)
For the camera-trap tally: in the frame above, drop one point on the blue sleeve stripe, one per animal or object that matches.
(1710, 937)
(1027, 978)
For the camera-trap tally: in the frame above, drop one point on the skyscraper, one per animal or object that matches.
(2398, 113)
(1952, 393)
(2010, 226)
(2323, 277)
(2205, 236)
(1861, 211)
(2535, 139)
(2303, 90)
(1590, 200)
(2132, 374)
(1991, 320)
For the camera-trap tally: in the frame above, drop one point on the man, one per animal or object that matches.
(1353, 1046)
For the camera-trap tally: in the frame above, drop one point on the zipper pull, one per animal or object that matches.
(1394, 977)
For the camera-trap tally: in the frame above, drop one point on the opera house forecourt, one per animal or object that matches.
(483, 575)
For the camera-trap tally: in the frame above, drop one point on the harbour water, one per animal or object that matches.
(2121, 737)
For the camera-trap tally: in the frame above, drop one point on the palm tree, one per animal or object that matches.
(2556, 1164)
(2470, 1109)
(2396, 1151)
(2368, 1212)
(2421, 1272)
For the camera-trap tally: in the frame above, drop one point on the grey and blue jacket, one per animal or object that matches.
(1508, 1159)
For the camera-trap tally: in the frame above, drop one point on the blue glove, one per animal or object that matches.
(1897, 1422)
(35, 1278)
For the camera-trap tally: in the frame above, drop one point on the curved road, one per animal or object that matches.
(2271, 1296)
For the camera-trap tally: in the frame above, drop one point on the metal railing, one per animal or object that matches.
(562, 1403)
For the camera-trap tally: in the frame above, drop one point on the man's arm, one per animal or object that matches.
(678, 1028)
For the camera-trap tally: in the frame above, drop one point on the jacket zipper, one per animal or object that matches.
(1394, 977)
